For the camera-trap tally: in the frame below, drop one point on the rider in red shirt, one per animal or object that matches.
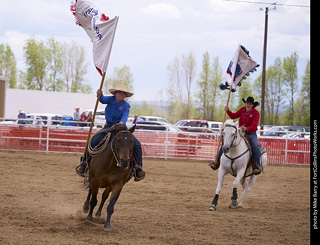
(249, 119)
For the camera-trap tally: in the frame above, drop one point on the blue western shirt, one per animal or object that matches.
(115, 112)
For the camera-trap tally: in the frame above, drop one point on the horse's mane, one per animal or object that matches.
(230, 122)
(115, 129)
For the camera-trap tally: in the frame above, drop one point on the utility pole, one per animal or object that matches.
(264, 66)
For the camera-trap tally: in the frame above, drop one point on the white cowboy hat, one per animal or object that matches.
(20, 110)
(122, 88)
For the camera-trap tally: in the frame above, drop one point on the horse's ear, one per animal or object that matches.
(133, 128)
(236, 124)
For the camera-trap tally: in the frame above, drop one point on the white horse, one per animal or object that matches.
(234, 161)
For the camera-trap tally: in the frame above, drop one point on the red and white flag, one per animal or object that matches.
(239, 67)
(99, 28)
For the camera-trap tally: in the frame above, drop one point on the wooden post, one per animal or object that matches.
(94, 114)
(3, 87)
(263, 82)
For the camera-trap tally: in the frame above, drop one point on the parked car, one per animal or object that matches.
(215, 126)
(46, 118)
(192, 125)
(157, 126)
(281, 130)
(152, 119)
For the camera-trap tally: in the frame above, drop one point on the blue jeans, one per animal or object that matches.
(254, 146)
(136, 145)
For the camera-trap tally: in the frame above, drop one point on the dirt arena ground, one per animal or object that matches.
(42, 198)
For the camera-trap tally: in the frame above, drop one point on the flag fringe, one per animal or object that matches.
(253, 69)
(73, 8)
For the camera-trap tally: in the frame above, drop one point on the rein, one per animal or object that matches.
(234, 136)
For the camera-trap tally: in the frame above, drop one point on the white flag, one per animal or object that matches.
(239, 67)
(99, 28)
(232, 71)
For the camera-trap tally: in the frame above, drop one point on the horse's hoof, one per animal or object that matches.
(89, 217)
(107, 228)
(98, 214)
(234, 204)
(212, 207)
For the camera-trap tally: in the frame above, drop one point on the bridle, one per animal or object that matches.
(234, 138)
(236, 135)
(114, 146)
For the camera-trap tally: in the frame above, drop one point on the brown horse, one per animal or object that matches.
(110, 170)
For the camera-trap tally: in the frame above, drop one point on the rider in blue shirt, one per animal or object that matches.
(116, 111)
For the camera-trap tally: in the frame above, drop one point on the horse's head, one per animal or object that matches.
(230, 134)
(123, 146)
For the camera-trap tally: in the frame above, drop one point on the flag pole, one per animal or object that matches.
(224, 119)
(94, 114)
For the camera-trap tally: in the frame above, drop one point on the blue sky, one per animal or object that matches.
(151, 33)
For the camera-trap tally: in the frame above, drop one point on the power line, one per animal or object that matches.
(279, 4)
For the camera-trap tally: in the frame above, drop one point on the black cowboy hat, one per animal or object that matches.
(251, 100)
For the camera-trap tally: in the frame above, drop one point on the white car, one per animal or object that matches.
(152, 119)
(215, 126)
(39, 119)
(45, 118)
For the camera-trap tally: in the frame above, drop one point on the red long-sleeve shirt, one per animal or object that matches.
(248, 119)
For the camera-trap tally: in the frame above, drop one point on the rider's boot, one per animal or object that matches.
(139, 173)
(81, 168)
(215, 164)
(256, 169)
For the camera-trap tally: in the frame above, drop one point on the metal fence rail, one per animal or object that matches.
(160, 144)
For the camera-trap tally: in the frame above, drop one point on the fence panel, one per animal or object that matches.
(160, 144)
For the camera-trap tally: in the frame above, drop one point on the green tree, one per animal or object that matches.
(120, 75)
(181, 73)
(176, 91)
(290, 77)
(203, 84)
(55, 64)
(214, 89)
(188, 65)
(37, 59)
(209, 91)
(8, 65)
(144, 109)
(74, 68)
(274, 91)
(303, 105)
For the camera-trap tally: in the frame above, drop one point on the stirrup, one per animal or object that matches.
(256, 169)
(85, 171)
(136, 178)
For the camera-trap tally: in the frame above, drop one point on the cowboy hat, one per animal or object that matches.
(251, 100)
(122, 88)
